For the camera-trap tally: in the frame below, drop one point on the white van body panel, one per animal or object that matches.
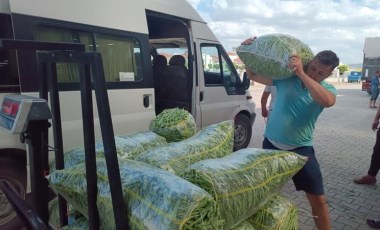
(214, 109)
(122, 11)
(127, 115)
(4, 7)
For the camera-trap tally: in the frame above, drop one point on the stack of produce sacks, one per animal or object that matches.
(268, 55)
(225, 193)
(243, 182)
(156, 198)
(127, 147)
(212, 142)
(174, 124)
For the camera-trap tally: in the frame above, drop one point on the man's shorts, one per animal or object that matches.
(309, 178)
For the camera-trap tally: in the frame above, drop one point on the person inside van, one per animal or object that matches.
(300, 100)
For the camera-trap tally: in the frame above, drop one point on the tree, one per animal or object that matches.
(343, 68)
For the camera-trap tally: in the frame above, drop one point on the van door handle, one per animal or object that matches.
(146, 101)
(201, 94)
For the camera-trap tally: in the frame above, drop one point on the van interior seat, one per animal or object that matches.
(171, 85)
(159, 61)
(177, 60)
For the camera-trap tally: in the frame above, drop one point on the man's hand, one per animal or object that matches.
(375, 125)
(264, 112)
(296, 65)
(248, 41)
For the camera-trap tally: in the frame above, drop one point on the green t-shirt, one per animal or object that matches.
(294, 114)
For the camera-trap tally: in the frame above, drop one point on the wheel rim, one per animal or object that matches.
(240, 133)
(6, 210)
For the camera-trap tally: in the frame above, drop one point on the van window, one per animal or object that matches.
(66, 72)
(216, 69)
(120, 55)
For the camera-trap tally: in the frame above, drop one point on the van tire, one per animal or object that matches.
(14, 173)
(243, 131)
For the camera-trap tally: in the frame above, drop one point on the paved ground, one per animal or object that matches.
(343, 145)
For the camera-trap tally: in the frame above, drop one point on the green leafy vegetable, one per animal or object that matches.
(277, 214)
(156, 198)
(268, 55)
(127, 146)
(245, 225)
(241, 183)
(54, 213)
(212, 142)
(174, 124)
(79, 224)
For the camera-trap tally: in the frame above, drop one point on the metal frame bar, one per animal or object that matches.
(89, 63)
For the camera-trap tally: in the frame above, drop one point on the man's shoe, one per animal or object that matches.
(365, 180)
(374, 223)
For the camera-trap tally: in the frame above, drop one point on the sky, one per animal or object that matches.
(337, 25)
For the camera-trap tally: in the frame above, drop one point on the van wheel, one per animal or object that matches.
(15, 174)
(243, 132)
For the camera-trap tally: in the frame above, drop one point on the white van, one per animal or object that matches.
(157, 54)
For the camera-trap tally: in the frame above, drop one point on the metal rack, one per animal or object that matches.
(91, 73)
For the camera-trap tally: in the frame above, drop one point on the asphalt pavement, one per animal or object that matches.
(343, 144)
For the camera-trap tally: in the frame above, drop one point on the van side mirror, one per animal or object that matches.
(246, 82)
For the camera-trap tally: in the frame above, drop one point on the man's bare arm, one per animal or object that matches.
(320, 95)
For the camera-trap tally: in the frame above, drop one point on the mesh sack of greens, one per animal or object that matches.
(245, 225)
(79, 224)
(54, 221)
(212, 142)
(127, 146)
(268, 55)
(244, 181)
(146, 140)
(277, 214)
(156, 198)
(174, 124)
